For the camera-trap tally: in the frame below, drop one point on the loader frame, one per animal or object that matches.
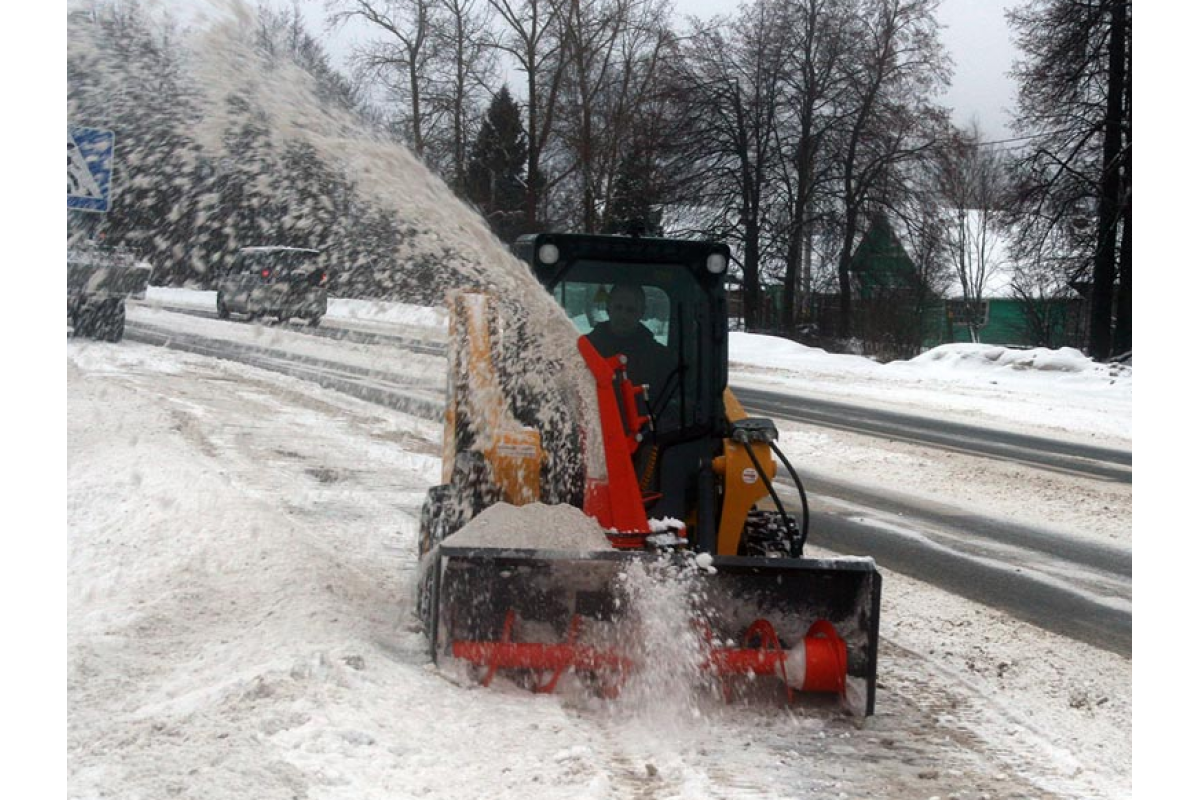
(708, 470)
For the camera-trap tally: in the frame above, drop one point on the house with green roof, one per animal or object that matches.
(890, 287)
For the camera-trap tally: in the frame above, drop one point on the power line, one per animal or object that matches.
(1022, 138)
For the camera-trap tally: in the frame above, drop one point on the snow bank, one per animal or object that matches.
(339, 308)
(753, 349)
(962, 360)
(1061, 392)
(986, 357)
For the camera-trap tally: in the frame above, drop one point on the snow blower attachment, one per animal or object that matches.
(686, 493)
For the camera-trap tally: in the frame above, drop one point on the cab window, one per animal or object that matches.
(586, 303)
(676, 311)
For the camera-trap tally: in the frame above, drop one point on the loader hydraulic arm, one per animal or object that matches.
(743, 484)
(617, 502)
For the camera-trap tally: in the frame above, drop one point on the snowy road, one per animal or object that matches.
(239, 585)
(1071, 457)
(1037, 451)
(1073, 587)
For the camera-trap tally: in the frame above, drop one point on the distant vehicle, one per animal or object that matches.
(99, 280)
(282, 282)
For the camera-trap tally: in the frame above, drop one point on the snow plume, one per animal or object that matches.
(250, 113)
(662, 635)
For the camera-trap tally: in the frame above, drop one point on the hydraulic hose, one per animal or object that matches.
(803, 496)
(787, 520)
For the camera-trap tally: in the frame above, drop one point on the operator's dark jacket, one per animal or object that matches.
(649, 361)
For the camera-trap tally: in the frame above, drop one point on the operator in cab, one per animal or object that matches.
(623, 333)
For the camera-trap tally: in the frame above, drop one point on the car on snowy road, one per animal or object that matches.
(99, 280)
(281, 282)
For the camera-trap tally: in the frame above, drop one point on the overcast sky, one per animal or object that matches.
(976, 36)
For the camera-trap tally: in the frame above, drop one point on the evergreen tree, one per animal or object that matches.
(132, 80)
(635, 197)
(495, 171)
(245, 210)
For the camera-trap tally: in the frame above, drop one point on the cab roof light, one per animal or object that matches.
(716, 263)
(548, 253)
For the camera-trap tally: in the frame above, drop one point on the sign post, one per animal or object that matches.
(89, 168)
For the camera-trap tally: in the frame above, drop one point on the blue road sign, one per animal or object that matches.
(89, 168)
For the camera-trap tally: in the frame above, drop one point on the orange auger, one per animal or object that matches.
(821, 654)
(552, 658)
(820, 659)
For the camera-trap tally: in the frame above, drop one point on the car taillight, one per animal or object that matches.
(266, 273)
(324, 277)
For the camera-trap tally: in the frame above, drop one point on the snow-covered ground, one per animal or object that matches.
(1036, 391)
(1059, 394)
(1048, 392)
(241, 550)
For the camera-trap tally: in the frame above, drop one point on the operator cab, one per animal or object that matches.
(681, 353)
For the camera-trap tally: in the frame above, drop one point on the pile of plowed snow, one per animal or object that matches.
(535, 526)
(986, 356)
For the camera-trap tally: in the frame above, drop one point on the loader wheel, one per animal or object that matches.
(439, 519)
(100, 319)
(446, 509)
(81, 321)
(435, 522)
(112, 321)
(768, 535)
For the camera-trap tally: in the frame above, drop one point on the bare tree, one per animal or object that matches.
(401, 60)
(589, 31)
(612, 49)
(814, 77)
(1075, 178)
(727, 95)
(1048, 305)
(900, 63)
(463, 71)
(973, 187)
(529, 36)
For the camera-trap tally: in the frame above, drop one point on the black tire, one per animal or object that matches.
(222, 309)
(112, 321)
(439, 518)
(103, 320)
(314, 321)
(81, 321)
(768, 534)
(446, 509)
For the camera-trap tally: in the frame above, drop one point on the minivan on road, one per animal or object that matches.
(280, 282)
